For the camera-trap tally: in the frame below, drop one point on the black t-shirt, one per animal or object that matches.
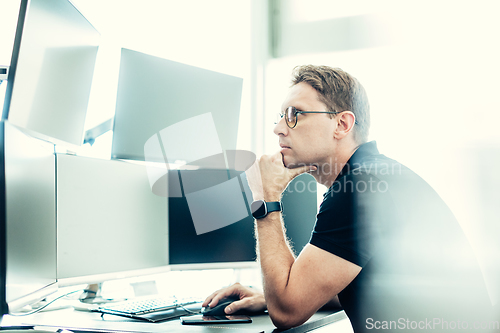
(417, 265)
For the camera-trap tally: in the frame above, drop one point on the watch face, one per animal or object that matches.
(258, 209)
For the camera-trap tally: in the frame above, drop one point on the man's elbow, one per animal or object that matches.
(284, 320)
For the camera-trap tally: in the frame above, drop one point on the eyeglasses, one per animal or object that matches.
(291, 115)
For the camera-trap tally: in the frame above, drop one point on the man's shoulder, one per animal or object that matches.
(376, 165)
(365, 175)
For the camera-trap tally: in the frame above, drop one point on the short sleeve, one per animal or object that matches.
(349, 217)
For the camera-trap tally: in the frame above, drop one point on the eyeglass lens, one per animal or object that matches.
(291, 116)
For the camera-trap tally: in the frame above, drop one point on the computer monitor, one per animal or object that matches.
(29, 218)
(156, 93)
(110, 225)
(51, 71)
(234, 245)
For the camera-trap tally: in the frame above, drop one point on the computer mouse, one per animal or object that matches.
(218, 310)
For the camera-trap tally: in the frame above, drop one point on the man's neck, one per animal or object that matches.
(328, 172)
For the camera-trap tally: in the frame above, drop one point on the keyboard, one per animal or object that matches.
(143, 306)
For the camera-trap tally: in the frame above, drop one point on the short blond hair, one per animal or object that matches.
(339, 91)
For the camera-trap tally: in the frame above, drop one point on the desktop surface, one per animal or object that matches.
(86, 321)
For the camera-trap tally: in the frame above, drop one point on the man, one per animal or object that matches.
(385, 247)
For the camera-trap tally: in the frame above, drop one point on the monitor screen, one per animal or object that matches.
(234, 245)
(51, 71)
(109, 223)
(156, 93)
(30, 217)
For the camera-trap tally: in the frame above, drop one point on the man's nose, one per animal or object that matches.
(281, 127)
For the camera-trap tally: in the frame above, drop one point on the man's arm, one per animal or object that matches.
(295, 289)
(334, 303)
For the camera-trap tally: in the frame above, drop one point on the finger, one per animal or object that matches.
(235, 306)
(247, 303)
(233, 290)
(209, 298)
(277, 156)
(254, 179)
(230, 291)
(207, 301)
(300, 170)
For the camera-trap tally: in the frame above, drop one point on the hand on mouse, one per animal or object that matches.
(249, 299)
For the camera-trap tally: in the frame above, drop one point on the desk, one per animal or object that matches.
(86, 321)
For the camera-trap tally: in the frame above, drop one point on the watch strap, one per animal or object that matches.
(273, 206)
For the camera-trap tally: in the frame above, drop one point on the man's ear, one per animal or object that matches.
(345, 124)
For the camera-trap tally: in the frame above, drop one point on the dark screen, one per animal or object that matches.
(236, 242)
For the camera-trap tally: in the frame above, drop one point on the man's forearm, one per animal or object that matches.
(276, 259)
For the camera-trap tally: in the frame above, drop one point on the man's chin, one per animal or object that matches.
(292, 164)
(286, 162)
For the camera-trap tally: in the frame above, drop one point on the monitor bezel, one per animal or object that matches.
(4, 309)
(215, 265)
(15, 57)
(11, 77)
(113, 276)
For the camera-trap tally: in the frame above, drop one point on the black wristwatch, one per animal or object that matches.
(260, 208)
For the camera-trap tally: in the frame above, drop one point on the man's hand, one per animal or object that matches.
(250, 299)
(268, 177)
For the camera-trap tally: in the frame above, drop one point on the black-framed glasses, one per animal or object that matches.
(291, 113)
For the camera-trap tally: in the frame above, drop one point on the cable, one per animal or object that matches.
(189, 311)
(44, 306)
(180, 305)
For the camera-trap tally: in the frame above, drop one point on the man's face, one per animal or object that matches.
(312, 141)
